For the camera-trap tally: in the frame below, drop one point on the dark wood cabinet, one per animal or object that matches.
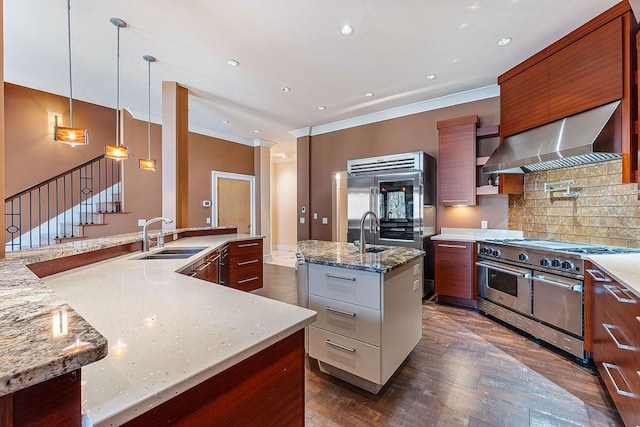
(457, 161)
(55, 402)
(612, 316)
(455, 272)
(245, 264)
(591, 66)
(207, 269)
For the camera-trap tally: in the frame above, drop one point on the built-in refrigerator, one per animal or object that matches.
(401, 190)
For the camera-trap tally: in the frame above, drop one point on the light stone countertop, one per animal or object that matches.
(346, 255)
(476, 234)
(624, 268)
(167, 332)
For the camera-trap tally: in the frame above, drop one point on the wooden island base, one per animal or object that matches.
(265, 389)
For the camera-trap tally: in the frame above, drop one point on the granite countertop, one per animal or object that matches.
(624, 268)
(346, 255)
(41, 336)
(475, 234)
(167, 331)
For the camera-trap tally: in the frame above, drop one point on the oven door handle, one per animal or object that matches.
(575, 287)
(526, 275)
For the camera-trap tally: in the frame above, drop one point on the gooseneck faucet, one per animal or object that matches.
(145, 235)
(373, 227)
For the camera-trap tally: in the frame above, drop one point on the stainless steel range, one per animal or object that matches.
(537, 286)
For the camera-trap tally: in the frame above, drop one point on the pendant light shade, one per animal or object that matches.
(117, 151)
(70, 135)
(148, 163)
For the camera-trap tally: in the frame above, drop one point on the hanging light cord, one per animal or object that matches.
(149, 110)
(70, 81)
(118, 91)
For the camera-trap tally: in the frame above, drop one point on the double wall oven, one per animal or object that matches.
(537, 286)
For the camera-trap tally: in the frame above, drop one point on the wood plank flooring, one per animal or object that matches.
(467, 370)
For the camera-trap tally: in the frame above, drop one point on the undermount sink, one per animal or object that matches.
(375, 249)
(173, 253)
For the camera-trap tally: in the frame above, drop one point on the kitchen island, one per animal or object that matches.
(181, 347)
(369, 309)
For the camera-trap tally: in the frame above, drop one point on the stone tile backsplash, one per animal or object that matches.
(606, 212)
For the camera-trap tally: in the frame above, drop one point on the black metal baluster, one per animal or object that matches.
(57, 211)
(48, 213)
(72, 205)
(113, 209)
(39, 216)
(20, 223)
(64, 205)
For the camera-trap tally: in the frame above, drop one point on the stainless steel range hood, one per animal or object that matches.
(588, 137)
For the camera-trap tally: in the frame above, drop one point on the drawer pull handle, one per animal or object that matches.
(608, 328)
(607, 367)
(611, 289)
(251, 279)
(253, 261)
(344, 313)
(203, 266)
(331, 276)
(598, 276)
(214, 259)
(341, 347)
(248, 245)
(444, 245)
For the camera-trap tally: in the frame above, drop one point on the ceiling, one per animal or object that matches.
(279, 43)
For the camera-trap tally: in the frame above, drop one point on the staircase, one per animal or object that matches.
(58, 209)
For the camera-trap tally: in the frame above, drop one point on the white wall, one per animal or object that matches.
(283, 204)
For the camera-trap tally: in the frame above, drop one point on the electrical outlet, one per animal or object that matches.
(416, 270)
(416, 285)
(208, 220)
(315, 215)
(141, 222)
(484, 224)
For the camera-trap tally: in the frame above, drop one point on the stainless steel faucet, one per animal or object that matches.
(145, 235)
(373, 227)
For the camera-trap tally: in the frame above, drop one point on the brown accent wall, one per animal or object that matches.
(304, 189)
(328, 153)
(31, 154)
(207, 154)
(606, 211)
(2, 128)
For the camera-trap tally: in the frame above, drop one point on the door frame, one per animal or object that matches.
(215, 175)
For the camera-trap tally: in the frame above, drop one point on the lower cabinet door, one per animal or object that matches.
(350, 355)
(350, 320)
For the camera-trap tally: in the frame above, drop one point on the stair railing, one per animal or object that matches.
(48, 209)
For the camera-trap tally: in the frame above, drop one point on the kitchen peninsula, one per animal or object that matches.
(369, 309)
(180, 347)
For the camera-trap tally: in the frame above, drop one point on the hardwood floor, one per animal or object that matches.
(467, 370)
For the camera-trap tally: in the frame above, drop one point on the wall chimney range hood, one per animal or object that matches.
(587, 137)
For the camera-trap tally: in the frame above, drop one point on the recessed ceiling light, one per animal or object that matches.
(346, 30)
(256, 131)
(225, 121)
(233, 62)
(285, 89)
(369, 94)
(504, 41)
(322, 107)
(430, 77)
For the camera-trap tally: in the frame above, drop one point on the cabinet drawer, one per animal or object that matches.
(622, 394)
(350, 355)
(353, 286)
(245, 250)
(353, 321)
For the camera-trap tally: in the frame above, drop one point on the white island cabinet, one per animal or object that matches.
(369, 317)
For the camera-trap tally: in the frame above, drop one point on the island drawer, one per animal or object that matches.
(348, 285)
(350, 320)
(350, 355)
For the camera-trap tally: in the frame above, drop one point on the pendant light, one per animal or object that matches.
(148, 163)
(117, 151)
(70, 135)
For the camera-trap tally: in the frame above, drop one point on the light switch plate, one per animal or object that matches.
(301, 220)
(208, 220)
(315, 215)
(325, 220)
(141, 222)
(483, 224)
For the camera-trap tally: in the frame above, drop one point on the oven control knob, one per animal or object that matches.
(496, 253)
(483, 250)
(567, 265)
(523, 257)
(545, 262)
(555, 263)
